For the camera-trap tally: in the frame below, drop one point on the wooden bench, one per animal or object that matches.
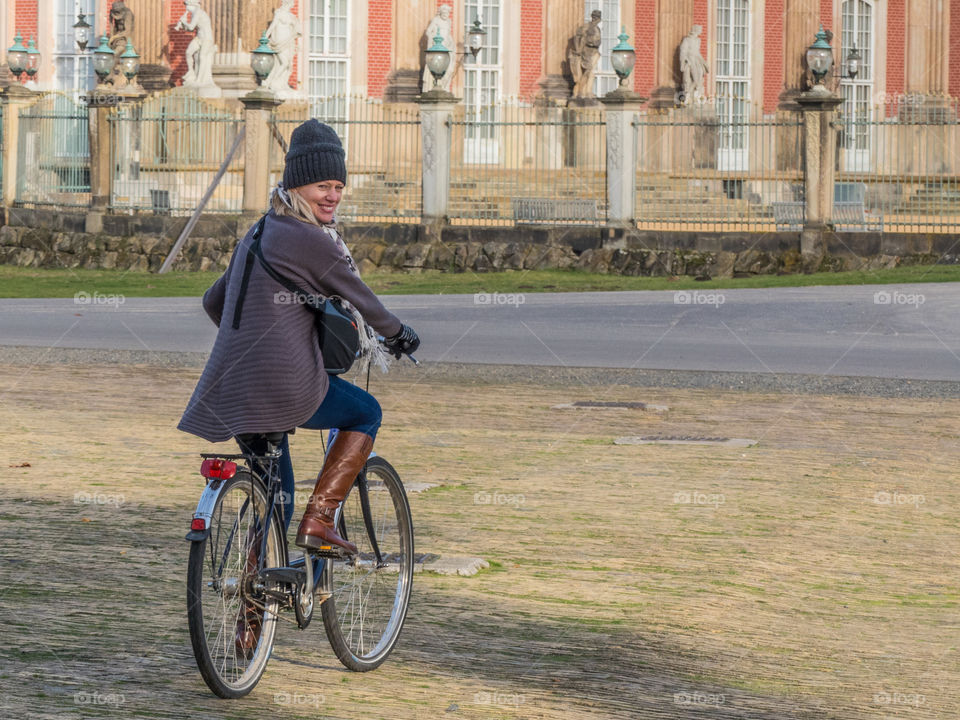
(540, 210)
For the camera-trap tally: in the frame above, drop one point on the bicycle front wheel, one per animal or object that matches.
(365, 614)
(232, 621)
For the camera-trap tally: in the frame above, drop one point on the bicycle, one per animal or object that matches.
(241, 577)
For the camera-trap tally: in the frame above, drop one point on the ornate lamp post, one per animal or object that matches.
(263, 59)
(820, 60)
(81, 32)
(475, 37)
(623, 57)
(33, 60)
(17, 57)
(104, 59)
(438, 60)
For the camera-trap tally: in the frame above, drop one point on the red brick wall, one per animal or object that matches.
(701, 18)
(826, 16)
(896, 51)
(294, 75)
(953, 86)
(379, 45)
(773, 42)
(24, 22)
(179, 39)
(531, 42)
(644, 42)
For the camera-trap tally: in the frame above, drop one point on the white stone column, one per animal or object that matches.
(818, 110)
(257, 108)
(13, 98)
(622, 107)
(436, 111)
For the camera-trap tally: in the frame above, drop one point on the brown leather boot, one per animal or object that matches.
(250, 621)
(344, 461)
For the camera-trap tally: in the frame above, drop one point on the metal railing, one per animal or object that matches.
(383, 155)
(903, 161)
(697, 170)
(166, 150)
(53, 153)
(1, 153)
(515, 163)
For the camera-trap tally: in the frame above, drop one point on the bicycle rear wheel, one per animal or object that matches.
(223, 597)
(365, 614)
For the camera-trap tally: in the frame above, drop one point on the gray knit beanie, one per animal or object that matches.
(315, 155)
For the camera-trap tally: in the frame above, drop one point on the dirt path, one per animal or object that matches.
(812, 575)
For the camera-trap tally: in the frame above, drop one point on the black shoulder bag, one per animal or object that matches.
(336, 330)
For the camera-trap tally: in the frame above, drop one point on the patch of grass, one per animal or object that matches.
(16, 282)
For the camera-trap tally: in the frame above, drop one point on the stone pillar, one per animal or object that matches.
(436, 111)
(818, 107)
(151, 33)
(257, 108)
(12, 98)
(560, 22)
(410, 20)
(674, 21)
(100, 102)
(237, 27)
(622, 107)
(800, 29)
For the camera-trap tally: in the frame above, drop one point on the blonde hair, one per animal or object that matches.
(289, 201)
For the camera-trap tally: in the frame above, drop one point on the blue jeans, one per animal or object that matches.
(345, 407)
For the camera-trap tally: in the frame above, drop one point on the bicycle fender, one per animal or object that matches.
(205, 505)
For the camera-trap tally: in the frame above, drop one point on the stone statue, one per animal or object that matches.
(693, 68)
(201, 49)
(583, 55)
(440, 25)
(121, 28)
(282, 34)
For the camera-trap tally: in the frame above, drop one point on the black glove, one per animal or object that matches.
(405, 341)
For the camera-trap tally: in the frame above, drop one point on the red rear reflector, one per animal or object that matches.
(198, 524)
(216, 468)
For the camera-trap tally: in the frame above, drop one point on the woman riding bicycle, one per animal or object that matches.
(267, 374)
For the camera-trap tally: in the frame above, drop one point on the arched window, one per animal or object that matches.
(857, 29)
(328, 56)
(482, 83)
(605, 79)
(733, 82)
(74, 70)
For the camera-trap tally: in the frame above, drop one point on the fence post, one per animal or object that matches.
(818, 108)
(257, 108)
(99, 106)
(436, 111)
(14, 97)
(622, 107)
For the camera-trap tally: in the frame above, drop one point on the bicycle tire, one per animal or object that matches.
(365, 614)
(216, 577)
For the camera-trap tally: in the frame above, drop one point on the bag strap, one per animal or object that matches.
(254, 251)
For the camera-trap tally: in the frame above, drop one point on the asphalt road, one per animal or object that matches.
(905, 332)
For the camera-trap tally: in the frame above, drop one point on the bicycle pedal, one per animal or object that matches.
(330, 551)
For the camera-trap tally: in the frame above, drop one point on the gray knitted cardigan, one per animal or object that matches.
(268, 375)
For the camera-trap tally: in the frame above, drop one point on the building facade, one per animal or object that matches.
(754, 49)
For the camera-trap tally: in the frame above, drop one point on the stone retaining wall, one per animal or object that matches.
(47, 239)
